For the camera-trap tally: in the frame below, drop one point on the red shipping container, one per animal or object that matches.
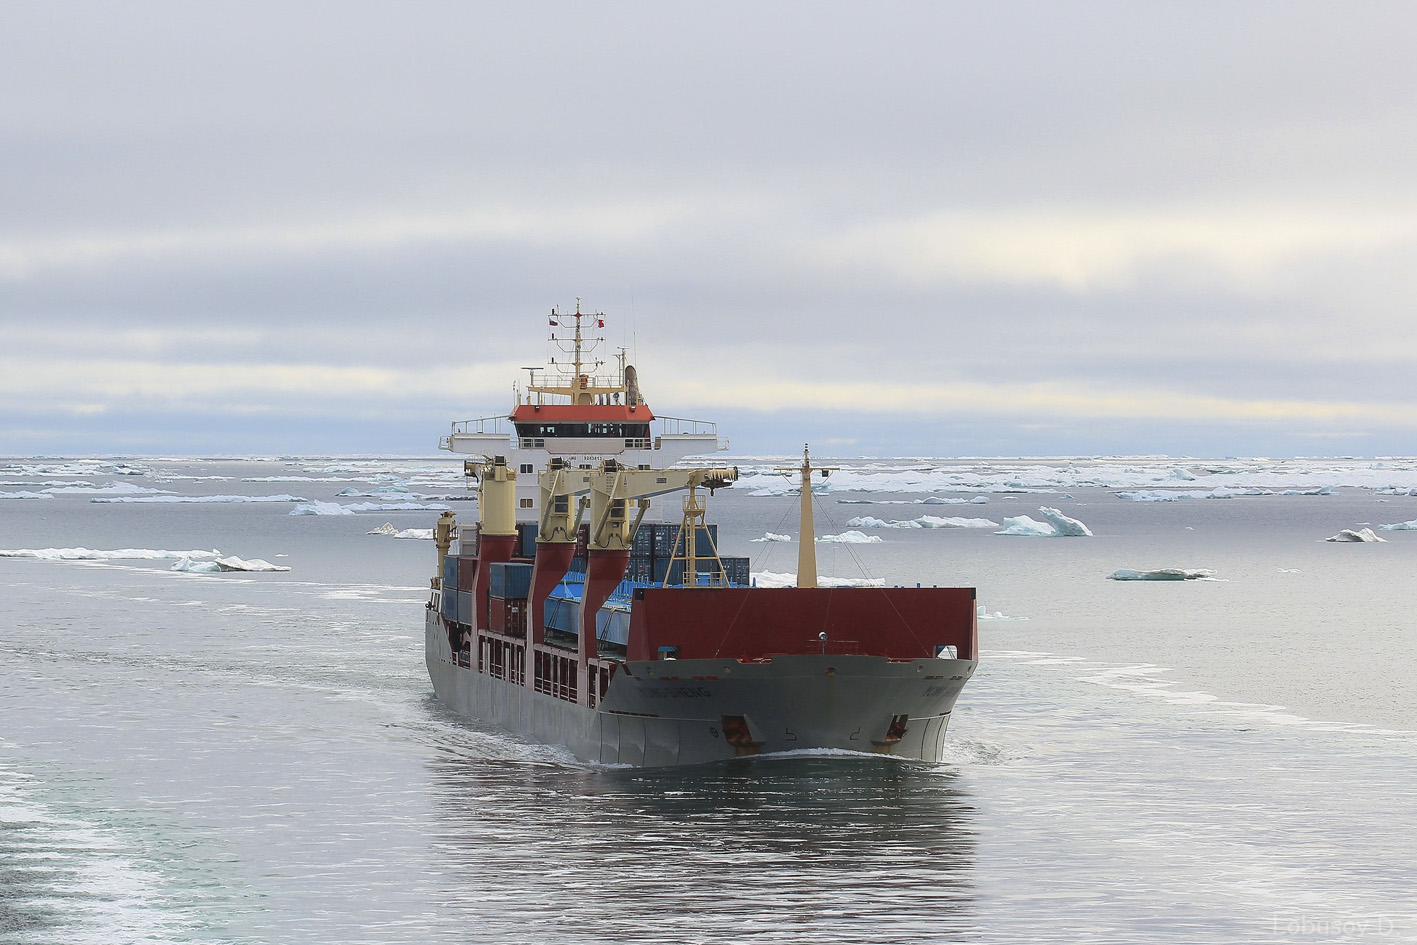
(506, 616)
(467, 567)
(515, 619)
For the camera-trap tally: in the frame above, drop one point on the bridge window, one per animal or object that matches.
(596, 430)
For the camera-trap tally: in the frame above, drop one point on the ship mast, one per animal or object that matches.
(582, 386)
(807, 530)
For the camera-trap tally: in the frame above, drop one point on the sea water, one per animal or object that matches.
(245, 757)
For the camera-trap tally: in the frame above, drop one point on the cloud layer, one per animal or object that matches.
(1096, 228)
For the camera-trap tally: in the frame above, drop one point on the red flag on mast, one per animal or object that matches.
(600, 323)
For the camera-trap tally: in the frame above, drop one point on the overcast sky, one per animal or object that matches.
(893, 229)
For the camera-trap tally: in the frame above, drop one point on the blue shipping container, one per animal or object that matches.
(667, 544)
(645, 539)
(450, 571)
(450, 604)
(509, 581)
(526, 533)
(640, 569)
(674, 570)
(737, 570)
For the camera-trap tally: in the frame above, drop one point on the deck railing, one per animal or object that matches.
(681, 426)
(483, 426)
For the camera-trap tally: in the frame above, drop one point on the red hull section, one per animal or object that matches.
(756, 623)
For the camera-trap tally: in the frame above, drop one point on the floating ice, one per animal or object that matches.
(776, 579)
(1362, 534)
(214, 499)
(321, 508)
(113, 488)
(398, 493)
(1400, 526)
(772, 536)
(1158, 495)
(852, 537)
(1219, 492)
(996, 615)
(302, 479)
(1027, 527)
(88, 554)
(924, 521)
(227, 564)
(1162, 574)
(25, 495)
(419, 534)
(385, 529)
(1265, 476)
(334, 508)
(1055, 525)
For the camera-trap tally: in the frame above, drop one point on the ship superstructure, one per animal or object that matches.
(579, 413)
(540, 620)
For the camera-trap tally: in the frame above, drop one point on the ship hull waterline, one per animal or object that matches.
(673, 712)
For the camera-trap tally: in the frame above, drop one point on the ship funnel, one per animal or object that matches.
(632, 387)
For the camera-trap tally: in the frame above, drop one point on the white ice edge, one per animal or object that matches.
(1054, 525)
(1162, 574)
(89, 554)
(924, 521)
(226, 564)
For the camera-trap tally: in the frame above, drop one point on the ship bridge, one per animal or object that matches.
(579, 413)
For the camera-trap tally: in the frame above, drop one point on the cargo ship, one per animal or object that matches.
(564, 615)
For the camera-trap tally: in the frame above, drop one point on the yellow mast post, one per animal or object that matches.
(807, 530)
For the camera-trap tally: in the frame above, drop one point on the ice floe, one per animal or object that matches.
(924, 521)
(112, 488)
(1253, 476)
(424, 534)
(303, 479)
(398, 493)
(984, 614)
(90, 554)
(226, 564)
(1219, 492)
(1054, 525)
(773, 536)
(25, 495)
(776, 579)
(852, 537)
(928, 500)
(198, 499)
(1400, 526)
(1362, 534)
(1163, 574)
(334, 508)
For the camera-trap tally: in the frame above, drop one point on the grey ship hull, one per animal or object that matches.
(672, 712)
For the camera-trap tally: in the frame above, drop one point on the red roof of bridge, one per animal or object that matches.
(581, 413)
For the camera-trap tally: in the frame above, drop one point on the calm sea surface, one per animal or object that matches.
(253, 757)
